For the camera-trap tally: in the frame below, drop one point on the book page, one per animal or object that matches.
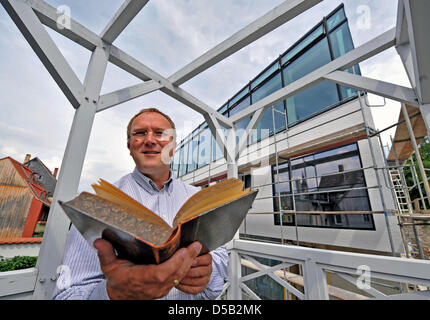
(210, 197)
(111, 193)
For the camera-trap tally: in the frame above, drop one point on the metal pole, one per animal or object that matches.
(422, 171)
(281, 216)
(235, 267)
(417, 181)
(381, 194)
(393, 192)
(70, 173)
(417, 151)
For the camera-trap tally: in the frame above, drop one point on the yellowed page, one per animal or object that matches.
(210, 197)
(111, 193)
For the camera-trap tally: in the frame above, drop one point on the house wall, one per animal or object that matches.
(15, 203)
(328, 123)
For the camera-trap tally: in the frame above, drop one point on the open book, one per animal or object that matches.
(211, 216)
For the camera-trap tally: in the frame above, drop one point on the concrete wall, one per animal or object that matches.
(19, 249)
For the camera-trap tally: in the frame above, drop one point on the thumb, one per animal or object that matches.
(195, 249)
(105, 252)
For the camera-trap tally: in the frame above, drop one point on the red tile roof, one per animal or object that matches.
(20, 240)
(26, 173)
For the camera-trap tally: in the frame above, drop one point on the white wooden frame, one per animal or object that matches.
(29, 15)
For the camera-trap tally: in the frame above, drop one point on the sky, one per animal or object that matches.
(166, 35)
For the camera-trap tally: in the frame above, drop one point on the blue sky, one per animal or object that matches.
(166, 35)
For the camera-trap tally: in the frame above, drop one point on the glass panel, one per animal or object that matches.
(183, 156)
(241, 125)
(175, 164)
(336, 169)
(223, 108)
(242, 105)
(192, 154)
(341, 40)
(204, 148)
(217, 153)
(283, 190)
(303, 44)
(313, 99)
(265, 75)
(239, 96)
(335, 19)
(265, 127)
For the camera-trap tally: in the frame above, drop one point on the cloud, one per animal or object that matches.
(165, 35)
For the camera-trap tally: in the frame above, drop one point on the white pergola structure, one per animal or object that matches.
(409, 37)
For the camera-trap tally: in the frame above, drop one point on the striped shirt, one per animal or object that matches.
(86, 278)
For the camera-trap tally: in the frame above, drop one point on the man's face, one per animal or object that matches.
(151, 143)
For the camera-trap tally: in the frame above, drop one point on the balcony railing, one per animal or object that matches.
(359, 276)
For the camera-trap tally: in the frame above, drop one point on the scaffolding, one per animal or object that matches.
(409, 39)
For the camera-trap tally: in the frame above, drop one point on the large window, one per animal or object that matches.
(328, 40)
(317, 97)
(341, 43)
(265, 127)
(193, 154)
(183, 156)
(326, 181)
(241, 125)
(204, 147)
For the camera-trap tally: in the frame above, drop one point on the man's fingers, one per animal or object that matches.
(203, 260)
(105, 252)
(179, 264)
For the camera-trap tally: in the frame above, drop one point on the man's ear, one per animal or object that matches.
(128, 145)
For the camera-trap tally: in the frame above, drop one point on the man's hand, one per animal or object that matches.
(198, 276)
(126, 280)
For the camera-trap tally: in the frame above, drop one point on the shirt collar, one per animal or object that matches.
(149, 185)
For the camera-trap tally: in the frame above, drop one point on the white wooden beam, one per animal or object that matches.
(255, 30)
(117, 97)
(141, 71)
(220, 139)
(124, 15)
(381, 88)
(49, 16)
(413, 46)
(365, 51)
(50, 257)
(45, 48)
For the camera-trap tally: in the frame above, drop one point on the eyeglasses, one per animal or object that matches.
(159, 135)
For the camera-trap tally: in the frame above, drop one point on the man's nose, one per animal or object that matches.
(150, 138)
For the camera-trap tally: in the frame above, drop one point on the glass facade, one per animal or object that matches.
(328, 40)
(331, 180)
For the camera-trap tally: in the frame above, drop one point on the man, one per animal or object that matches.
(99, 274)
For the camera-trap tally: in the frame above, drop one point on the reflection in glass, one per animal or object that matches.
(265, 127)
(204, 148)
(335, 19)
(337, 169)
(183, 156)
(317, 97)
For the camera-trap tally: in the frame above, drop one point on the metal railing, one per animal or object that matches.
(371, 276)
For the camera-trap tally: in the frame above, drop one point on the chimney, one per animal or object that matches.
(27, 158)
(55, 172)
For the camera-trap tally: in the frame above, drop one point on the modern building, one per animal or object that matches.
(315, 155)
(310, 155)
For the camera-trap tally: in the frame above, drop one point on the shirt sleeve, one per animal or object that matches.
(220, 261)
(81, 277)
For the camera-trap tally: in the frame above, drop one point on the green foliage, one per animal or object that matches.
(16, 263)
(425, 157)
